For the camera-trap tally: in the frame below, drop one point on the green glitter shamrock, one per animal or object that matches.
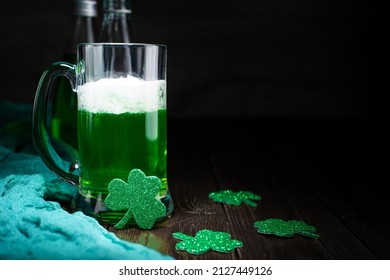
(235, 198)
(285, 228)
(206, 240)
(138, 197)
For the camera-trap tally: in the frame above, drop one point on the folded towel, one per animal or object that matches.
(34, 226)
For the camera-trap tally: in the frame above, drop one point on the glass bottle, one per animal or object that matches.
(64, 112)
(116, 24)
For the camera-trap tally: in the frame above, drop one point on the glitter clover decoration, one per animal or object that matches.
(138, 197)
(283, 228)
(206, 240)
(235, 198)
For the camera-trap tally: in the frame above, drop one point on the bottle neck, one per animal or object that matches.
(84, 30)
(83, 25)
(116, 26)
(119, 7)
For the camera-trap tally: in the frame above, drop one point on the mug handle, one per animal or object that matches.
(40, 133)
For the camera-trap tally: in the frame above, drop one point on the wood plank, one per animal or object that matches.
(291, 199)
(247, 172)
(365, 216)
(208, 156)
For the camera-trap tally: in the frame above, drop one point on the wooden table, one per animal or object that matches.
(325, 173)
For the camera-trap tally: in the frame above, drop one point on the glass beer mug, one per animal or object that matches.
(121, 96)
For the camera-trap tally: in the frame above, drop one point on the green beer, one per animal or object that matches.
(120, 128)
(111, 145)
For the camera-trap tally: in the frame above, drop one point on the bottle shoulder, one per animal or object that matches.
(83, 30)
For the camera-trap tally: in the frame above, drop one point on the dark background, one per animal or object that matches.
(306, 59)
(311, 75)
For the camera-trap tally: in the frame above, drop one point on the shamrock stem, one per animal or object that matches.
(126, 218)
(308, 234)
(250, 202)
(181, 236)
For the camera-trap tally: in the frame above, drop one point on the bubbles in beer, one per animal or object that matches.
(122, 95)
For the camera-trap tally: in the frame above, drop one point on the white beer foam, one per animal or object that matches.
(122, 95)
